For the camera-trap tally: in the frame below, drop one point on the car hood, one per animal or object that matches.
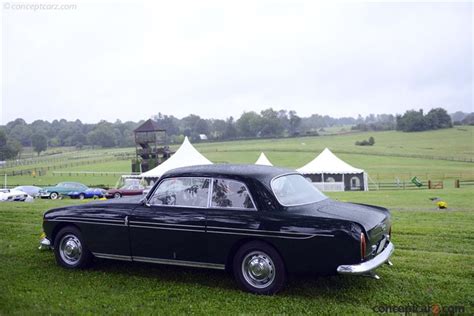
(368, 216)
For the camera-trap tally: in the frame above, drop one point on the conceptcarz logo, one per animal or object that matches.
(434, 309)
(19, 6)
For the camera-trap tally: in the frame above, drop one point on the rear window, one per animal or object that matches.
(294, 189)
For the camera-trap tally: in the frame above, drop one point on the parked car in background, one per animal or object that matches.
(131, 187)
(259, 222)
(13, 195)
(62, 188)
(90, 193)
(31, 190)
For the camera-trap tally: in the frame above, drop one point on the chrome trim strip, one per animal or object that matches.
(111, 256)
(245, 232)
(85, 222)
(164, 224)
(367, 266)
(269, 231)
(170, 228)
(180, 263)
(260, 235)
(90, 219)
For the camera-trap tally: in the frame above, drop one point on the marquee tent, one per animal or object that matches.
(329, 173)
(263, 160)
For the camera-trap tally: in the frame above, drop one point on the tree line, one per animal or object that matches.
(41, 134)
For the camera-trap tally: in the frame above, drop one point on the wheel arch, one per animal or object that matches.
(237, 245)
(58, 228)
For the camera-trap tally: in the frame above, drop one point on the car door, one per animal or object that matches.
(232, 217)
(170, 226)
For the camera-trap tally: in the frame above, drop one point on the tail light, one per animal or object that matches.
(363, 246)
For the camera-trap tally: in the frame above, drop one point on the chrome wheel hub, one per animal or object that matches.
(70, 249)
(258, 269)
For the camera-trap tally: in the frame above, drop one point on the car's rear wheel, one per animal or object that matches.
(54, 196)
(117, 195)
(82, 196)
(70, 250)
(258, 268)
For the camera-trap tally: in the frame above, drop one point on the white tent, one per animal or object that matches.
(263, 160)
(185, 156)
(329, 173)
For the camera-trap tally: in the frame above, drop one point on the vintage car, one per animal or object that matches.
(13, 195)
(130, 187)
(259, 222)
(31, 190)
(62, 188)
(89, 193)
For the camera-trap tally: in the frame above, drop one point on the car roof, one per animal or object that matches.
(260, 172)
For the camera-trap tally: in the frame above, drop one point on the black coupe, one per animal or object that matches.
(259, 222)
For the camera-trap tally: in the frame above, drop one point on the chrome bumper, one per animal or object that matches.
(45, 244)
(367, 266)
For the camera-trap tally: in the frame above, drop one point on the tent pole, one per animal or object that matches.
(343, 183)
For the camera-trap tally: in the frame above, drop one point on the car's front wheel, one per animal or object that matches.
(258, 268)
(70, 250)
(117, 195)
(54, 196)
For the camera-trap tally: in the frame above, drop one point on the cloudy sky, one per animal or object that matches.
(131, 60)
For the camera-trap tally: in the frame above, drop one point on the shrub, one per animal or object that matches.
(365, 142)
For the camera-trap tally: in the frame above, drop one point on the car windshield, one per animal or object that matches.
(294, 189)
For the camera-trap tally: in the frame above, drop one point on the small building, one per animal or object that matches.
(329, 173)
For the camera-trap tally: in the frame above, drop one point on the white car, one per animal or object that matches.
(10, 195)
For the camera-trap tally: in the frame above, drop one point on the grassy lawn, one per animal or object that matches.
(396, 155)
(433, 264)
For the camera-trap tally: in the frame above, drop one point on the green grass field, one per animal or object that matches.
(436, 155)
(433, 261)
(433, 264)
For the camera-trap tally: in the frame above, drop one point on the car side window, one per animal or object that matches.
(231, 194)
(186, 191)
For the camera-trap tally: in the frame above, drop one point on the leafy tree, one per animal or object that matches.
(217, 128)
(249, 124)
(39, 143)
(414, 121)
(438, 118)
(469, 119)
(103, 135)
(9, 148)
(294, 123)
(15, 147)
(230, 131)
(271, 124)
(371, 141)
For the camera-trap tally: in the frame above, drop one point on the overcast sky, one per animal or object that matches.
(132, 60)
